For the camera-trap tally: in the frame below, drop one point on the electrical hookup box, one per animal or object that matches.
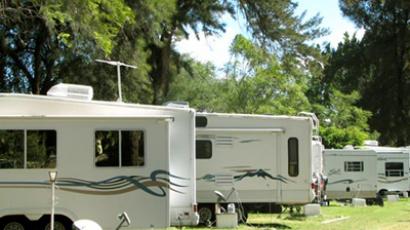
(227, 220)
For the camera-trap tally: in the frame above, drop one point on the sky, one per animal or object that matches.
(215, 49)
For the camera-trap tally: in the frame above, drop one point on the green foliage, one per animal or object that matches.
(40, 39)
(343, 123)
(260, 83)
(97, 19)
(379, 65)
(200, 88)
(337, 138)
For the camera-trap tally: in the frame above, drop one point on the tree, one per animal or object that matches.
(272, 22)
(385, 80)
(260, 83)
(201, 88)
(343, 123)
(37, 38)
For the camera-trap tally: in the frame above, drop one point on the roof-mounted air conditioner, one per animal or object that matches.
(80, 92)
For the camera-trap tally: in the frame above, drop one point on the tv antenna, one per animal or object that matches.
(118, 64)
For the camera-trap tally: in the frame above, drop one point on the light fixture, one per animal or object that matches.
(52, 176)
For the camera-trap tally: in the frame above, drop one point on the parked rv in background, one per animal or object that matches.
(392, 169)
(110, 157)
(351, 173)
(256, 161)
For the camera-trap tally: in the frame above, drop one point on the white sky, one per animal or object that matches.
(215, 49)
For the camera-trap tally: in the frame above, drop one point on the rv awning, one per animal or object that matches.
(256, 130)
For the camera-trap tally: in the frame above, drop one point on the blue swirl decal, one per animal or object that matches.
(345, 181)
(249, 173)
(156, 184)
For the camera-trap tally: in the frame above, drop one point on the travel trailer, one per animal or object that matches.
(110, 158)
(258, 162)
(351, 173)
(392, 169)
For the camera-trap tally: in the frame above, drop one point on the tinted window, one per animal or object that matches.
(41, 148)
(11, 149)
(201, 121)
(394, 169)
(108, 152)
(107, 148)
(132, 148)
(293, 156)
(203, 149)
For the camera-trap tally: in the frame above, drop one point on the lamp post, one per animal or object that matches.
(52, 176)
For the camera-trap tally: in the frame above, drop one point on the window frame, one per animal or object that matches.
(212, 149)
(351, 167)
(120, 147)
(400, 171)
(290, 163)
(25, 147)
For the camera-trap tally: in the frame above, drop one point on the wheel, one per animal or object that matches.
(382, 192)
(60, 223)
(379, 200)
(13, 223)
(206, 214)
(370, 201)
(57, 226)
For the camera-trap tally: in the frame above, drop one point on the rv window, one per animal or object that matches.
(354, 166)
(11, 149)
(293, 156)
(132, 148)
(203, 149)
(107, 148)
(41, 148)
(108, 151)
(394, 169)
(201, 121)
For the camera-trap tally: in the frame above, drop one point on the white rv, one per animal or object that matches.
(351, 173)
(392, 169)
(256, 161)
(110, 157)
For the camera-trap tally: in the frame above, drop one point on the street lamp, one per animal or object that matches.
(53, 177)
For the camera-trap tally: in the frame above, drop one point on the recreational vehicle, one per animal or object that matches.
(110, 157)
(351, 173)
(256, 161)
(392, 169)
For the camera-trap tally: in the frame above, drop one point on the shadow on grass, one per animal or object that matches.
(296, 217)
(270, 225)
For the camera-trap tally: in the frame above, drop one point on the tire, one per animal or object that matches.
(13, 223)
(382, 192)
(60, 223)
(206, 214)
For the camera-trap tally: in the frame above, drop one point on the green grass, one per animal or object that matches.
(394, 215)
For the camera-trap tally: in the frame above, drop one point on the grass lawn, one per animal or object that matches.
(394, 215)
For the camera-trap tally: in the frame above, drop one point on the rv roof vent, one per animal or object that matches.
(348, 147)
(371, 143)
(177, 104)
(81, 92)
